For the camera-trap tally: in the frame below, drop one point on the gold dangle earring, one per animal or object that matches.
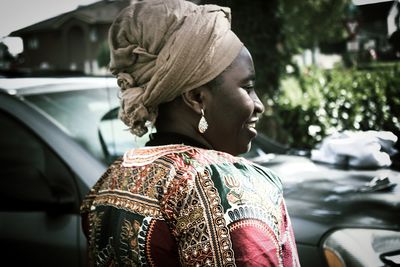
(203, 125)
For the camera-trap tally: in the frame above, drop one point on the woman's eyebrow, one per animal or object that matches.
(250, 77)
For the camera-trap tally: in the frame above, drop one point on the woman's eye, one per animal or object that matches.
(248, 88)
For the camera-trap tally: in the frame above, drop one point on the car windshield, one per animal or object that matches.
(82, 115)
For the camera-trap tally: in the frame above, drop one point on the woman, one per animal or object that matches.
(186, 199)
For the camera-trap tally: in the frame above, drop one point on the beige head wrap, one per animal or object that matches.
(162, 48)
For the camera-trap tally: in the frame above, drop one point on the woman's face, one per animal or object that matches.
(233, 109)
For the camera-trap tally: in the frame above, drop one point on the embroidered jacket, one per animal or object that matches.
(178, 205)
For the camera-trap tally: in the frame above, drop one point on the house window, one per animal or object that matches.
(33, 43)
(93, 35)
(72, 66)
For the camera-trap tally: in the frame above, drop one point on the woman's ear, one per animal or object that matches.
(196, 99)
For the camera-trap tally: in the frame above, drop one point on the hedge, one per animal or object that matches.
(318, 102)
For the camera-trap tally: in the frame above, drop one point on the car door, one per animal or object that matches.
(39, 200)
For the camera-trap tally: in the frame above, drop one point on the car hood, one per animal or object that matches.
(322, 197)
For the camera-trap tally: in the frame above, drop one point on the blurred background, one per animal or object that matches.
(322, 66)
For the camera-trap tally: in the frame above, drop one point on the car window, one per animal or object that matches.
(80, 112)
(32, 176)
(115, 137)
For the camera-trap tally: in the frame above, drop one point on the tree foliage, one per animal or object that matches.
(321, 102)
(258, 24)
(276, 30)
(307, 23)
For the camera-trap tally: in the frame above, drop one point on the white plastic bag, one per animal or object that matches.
(357, 149)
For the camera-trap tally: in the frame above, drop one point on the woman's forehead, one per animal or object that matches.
(242, 67)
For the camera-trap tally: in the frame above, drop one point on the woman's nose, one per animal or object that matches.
(258, 105)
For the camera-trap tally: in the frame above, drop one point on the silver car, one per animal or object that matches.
(51, 154)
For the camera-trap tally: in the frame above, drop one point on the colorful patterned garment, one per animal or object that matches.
(179, 205)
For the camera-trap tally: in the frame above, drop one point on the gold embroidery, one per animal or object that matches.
(176, 187)
(129, 234)
(221, 244)
(131, 203)
(147, 155)
(187, 221)
(254, 190)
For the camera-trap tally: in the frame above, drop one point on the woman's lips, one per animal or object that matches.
(251, 125)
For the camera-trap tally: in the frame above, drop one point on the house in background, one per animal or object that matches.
(378, 24)
(70, 41)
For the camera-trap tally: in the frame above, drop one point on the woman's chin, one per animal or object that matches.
(240, 149)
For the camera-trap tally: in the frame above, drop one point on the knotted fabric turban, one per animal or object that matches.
(163, 48)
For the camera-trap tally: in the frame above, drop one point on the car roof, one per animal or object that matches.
(30, 86)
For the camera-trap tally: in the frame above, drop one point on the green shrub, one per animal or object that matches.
(318, 103)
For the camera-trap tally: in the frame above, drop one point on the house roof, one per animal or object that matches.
(101, 12)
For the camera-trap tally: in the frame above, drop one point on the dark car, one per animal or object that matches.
(58, 136)
(50, 155)
(341, 216)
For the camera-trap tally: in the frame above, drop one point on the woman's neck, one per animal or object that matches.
(168, 138)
